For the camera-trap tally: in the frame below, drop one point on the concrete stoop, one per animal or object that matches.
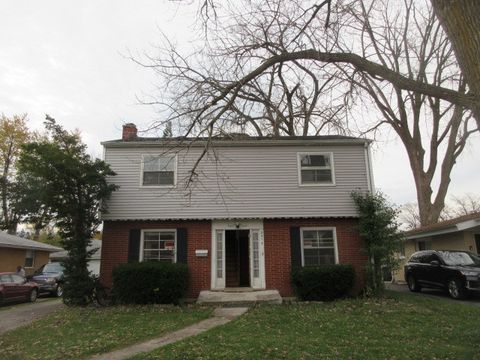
(237, 298)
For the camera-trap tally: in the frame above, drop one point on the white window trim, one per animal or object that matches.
(175, 169)
(33, 259)
(299, 168)
(223, 225)
(400, 256)
(335, 246)
(142, 241)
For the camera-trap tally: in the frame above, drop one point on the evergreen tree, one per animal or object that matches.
(379, 230)
(70, 186)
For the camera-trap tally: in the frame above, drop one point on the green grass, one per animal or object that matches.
(77, 333)
(398, 327)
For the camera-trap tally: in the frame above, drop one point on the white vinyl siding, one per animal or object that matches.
(319, 246)
(239, 182)
(158, 245)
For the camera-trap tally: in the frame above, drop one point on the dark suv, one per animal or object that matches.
(50, 278)
(455, 271)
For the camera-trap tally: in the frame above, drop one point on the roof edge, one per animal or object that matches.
(39, 248)
(235, 143)
(425, 234)
(461, 223)
(238, 218)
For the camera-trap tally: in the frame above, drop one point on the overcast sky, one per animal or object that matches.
(67, 59)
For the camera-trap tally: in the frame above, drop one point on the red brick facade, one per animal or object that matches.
(115, 248)
(277, 249)
(276, 242)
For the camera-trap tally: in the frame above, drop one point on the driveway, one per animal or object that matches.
(473, 299)
(13, 316)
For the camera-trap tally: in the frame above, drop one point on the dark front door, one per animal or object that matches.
(477, 243)
(237, 264)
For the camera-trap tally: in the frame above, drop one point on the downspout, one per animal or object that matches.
(100, 215)
(368, 166)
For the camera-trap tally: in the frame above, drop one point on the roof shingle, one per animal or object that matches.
(13, 241)
(444, 224)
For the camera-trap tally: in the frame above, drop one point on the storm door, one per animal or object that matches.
(237, 255)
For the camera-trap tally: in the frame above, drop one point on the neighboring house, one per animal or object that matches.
(461, 233)
(257, 207)
(15, 250)
(94, 261)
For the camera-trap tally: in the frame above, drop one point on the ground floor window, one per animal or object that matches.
(158, 245)
(318, 246)
(424, 245)
(402, 250)
(29, 258)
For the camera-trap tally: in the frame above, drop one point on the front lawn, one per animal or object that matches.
(77, 333)
(400, 326)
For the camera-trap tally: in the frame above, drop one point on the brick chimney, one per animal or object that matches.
(129, 132)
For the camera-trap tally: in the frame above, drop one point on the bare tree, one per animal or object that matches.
(271, 68)
(459, 19)
(13, 134)
(466, 204)
(285, 99)
(408, 39)
(409, 217)
(457, 206)
(461, 22)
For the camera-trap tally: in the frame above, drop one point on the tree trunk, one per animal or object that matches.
(429, 212)
(461, 21)
(36, 234)
(3, 190)
(12, 228)
(377, 274)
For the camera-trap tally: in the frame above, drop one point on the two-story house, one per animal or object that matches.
(255, 206)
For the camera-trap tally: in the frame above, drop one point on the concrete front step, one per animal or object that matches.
(239, 298)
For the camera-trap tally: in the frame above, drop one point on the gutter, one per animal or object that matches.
(231, 218)
(461, 226)
(447, 230)
(368, 156)
(30, 248)
(234, 143)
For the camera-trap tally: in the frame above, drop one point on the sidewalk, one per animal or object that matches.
(221, 316)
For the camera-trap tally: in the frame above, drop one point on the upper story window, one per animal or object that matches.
(159, 170)
(159, 245)
(316, 169)
(318, 246)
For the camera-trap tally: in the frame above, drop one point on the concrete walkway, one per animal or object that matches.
(221, 316)
(14, 316)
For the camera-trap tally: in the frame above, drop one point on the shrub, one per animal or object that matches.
(150, 282)
(323, 283)
(383, 239)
